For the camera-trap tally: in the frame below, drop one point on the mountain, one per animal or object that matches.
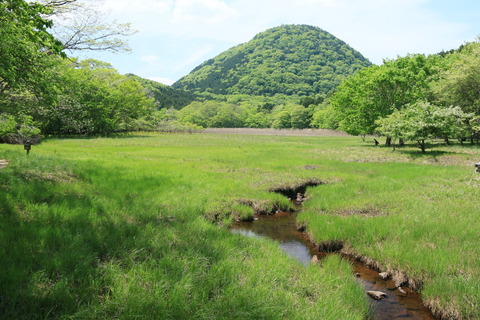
(290, 59)
(165, 96)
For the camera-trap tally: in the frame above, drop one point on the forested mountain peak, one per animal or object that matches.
(290, 59)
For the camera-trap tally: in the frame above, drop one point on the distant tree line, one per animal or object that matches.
(238, 112)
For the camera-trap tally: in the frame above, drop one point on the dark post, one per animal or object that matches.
(27, 145)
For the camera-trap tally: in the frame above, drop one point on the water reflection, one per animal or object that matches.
(282, 228)
(297, 250)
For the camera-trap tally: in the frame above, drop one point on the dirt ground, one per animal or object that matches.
(277, 132)
(3, 163)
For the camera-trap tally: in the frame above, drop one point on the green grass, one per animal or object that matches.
(416, 215)
(122, 227)
(119, 228)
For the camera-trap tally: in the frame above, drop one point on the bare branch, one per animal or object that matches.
(83, 26)
(57, 3)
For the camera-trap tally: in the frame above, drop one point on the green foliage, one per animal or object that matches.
(291, 116)
(300, 117)
(256, 119)
(308, 101)
(282, 120)
(377, 91)
(422, 121)
(212, 114)
(165, 96)
(163, 121)
(18, 130)
(291, 60)
(26, 50)
(475, 125)
(221, 114)
(459, 84)
(24, 43)
(62, 97)
(325, 117)
(26, 128)
(7, 124)
(93, 98)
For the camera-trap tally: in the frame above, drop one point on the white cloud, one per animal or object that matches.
(155, 60)
(201, 11)
(163, 80)
(186, 18)
(195, 58)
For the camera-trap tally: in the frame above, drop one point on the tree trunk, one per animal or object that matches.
(401, 142)
(447, 141)
(388, 141)
(422, 144)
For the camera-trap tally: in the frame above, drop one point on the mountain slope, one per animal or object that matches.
(290, 59)
(165, 96)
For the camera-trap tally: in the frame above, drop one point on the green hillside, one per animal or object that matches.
(165, 96)
(290, 59)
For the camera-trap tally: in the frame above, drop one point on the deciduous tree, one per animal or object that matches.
(24, 43)
(459, 84)
(377, 91)
(422, 121)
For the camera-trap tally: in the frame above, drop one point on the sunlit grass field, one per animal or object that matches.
(137, 226)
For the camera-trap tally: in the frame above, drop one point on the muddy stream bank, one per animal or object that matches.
(282, 228)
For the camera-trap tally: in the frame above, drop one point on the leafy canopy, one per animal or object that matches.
(422, 121)
(459, 84)
(24, 42)
(92, 98)
(377, 91)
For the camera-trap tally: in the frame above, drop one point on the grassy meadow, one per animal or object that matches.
(137, 226)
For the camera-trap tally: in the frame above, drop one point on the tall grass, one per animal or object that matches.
(417, 216)
(118, 228)
(121, 227)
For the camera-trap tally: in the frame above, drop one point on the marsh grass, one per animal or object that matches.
(132, 227)
(417, 219)
(119, 228)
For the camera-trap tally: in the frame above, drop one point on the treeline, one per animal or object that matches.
(239, 111)
(76, 97)
(42, 91)
(412, 98)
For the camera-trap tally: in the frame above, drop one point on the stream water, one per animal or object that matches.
(282, 228)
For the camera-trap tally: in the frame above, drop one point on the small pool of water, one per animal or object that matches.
(282, 228)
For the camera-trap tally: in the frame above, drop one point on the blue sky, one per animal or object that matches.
(174, 36)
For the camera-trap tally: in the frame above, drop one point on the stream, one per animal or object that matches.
(282, 228)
